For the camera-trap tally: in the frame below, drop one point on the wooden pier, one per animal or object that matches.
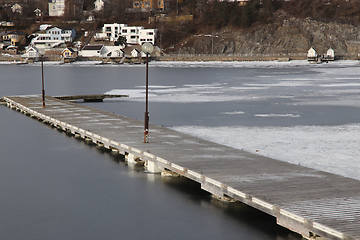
(310, 202)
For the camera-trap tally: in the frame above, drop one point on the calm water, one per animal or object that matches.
(56, 187)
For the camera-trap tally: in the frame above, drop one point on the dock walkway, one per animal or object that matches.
(310, 202)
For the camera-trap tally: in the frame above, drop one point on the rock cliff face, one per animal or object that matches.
(286, 36)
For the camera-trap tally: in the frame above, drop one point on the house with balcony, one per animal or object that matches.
(54, 37)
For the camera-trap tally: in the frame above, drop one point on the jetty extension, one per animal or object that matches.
(310, 202)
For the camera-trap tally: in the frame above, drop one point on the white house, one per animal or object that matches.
(37, 12)
(312, 54)
(16, 8)
(330, 54)
(31, 52)
(135, 53)
(134, 35)
(99, 5)
(114, 51)
(93, 51)
(54, 37)
(56, 8)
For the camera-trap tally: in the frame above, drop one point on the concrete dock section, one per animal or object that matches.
(307, 201)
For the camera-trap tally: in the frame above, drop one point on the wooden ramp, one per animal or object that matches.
(310, 202)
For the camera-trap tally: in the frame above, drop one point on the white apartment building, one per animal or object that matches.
(134, 35)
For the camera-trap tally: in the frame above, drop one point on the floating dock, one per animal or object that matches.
(90, 98)
(310, 202)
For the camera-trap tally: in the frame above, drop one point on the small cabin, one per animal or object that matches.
(135, 53)
(312, 54)
(31, 52)
(118, 53)
(330, 55)
(69, 53)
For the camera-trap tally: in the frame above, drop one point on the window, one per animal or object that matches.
(132, 30)
(108, 29)
(150, 33)
(133, 37)
(124, 30)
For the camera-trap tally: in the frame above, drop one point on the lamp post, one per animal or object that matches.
(42, 80)
(147, 48)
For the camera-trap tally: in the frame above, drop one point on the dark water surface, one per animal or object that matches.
(56, 187)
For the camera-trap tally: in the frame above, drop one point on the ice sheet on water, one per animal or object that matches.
(333, 149)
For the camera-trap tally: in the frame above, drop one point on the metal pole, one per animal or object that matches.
(146, 129)
(42, 81)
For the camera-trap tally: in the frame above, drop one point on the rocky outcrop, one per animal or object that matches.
(289, 36)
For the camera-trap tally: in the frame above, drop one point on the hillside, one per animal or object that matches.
(285, 35)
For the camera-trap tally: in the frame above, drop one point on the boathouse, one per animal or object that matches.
(330, 55)
(31, 52)
(69, 53)
(312, 54)
(93, 51)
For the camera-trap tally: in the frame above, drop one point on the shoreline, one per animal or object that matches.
(167, 58)
(178, 58)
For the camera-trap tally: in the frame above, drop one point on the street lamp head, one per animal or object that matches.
(147, 48)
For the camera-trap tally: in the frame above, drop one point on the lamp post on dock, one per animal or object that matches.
(147, 48)
(42, 79)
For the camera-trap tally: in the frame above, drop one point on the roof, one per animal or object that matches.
(5, 33)
(17, 33)
(68, 48)
(50, 27)
(129, 48)
(67, 28)
(93, 47)
(32, 48)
